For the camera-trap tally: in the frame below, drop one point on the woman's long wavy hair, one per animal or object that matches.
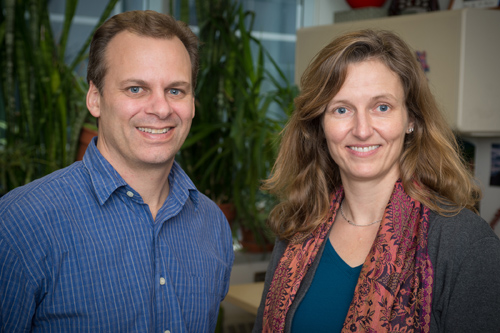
(304, 175)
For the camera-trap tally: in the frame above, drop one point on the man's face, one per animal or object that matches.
(147, 103)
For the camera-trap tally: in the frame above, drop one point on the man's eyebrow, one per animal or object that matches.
(138, 82)
(183, 84)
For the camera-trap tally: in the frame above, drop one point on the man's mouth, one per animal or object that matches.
(364, 149)
(154, 130)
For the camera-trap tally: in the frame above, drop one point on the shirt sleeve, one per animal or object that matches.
(474, 303)
(227, 239)
(17, 298)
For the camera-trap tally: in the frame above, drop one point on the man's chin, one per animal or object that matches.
(157, 161)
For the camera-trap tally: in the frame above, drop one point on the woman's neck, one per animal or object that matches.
(365, 201)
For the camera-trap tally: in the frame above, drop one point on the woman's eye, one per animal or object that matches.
(135, 90)
(383, 108)
(341, 110)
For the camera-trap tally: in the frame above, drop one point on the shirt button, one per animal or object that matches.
(130, 194)
(162, 282)
(167, 331)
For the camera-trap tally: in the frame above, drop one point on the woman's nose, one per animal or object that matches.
(362, 125)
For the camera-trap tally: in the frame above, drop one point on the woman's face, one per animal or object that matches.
(366, 122)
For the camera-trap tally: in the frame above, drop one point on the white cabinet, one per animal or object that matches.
(463, 54)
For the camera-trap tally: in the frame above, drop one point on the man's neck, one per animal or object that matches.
(151, 183)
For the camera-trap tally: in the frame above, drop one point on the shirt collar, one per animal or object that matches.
(106, 180)
(181, 186)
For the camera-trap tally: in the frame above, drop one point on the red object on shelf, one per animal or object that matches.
(229, 211)
(365, 3)
(86, 136)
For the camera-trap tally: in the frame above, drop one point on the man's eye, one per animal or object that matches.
(341, 110)
(175, 91)
(383, 108)
(135, 90)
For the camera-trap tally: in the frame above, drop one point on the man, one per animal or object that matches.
(122, 241)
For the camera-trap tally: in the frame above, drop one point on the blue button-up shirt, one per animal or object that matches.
(80, 252)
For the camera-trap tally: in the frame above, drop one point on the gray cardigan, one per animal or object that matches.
(465, 255)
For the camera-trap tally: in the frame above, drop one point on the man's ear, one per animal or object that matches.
(94, 100)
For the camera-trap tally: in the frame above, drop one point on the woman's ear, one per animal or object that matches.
(411, 126)
(94, 100)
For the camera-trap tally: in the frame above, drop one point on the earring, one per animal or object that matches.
(410, 130)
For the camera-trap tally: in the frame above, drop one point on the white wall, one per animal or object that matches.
(482, 169)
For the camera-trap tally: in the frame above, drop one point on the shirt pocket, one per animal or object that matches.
(206, 287)
(207, 275)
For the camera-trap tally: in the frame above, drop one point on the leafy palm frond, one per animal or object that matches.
(43, 98)
(232, 143)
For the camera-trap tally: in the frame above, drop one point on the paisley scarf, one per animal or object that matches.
(394, 289)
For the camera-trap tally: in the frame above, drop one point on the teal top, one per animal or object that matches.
(325, 305)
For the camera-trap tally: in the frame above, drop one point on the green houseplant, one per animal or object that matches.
(240, 110)
(42, 105)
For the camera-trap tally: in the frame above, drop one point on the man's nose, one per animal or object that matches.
(160, 105)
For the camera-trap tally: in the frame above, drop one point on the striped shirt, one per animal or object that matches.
(80, 252)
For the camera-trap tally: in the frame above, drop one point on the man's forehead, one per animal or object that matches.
(123, 44)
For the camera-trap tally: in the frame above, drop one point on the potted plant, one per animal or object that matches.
(87, 132)
(42, 105)
(231, 146)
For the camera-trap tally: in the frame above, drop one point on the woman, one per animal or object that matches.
(375, 228)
